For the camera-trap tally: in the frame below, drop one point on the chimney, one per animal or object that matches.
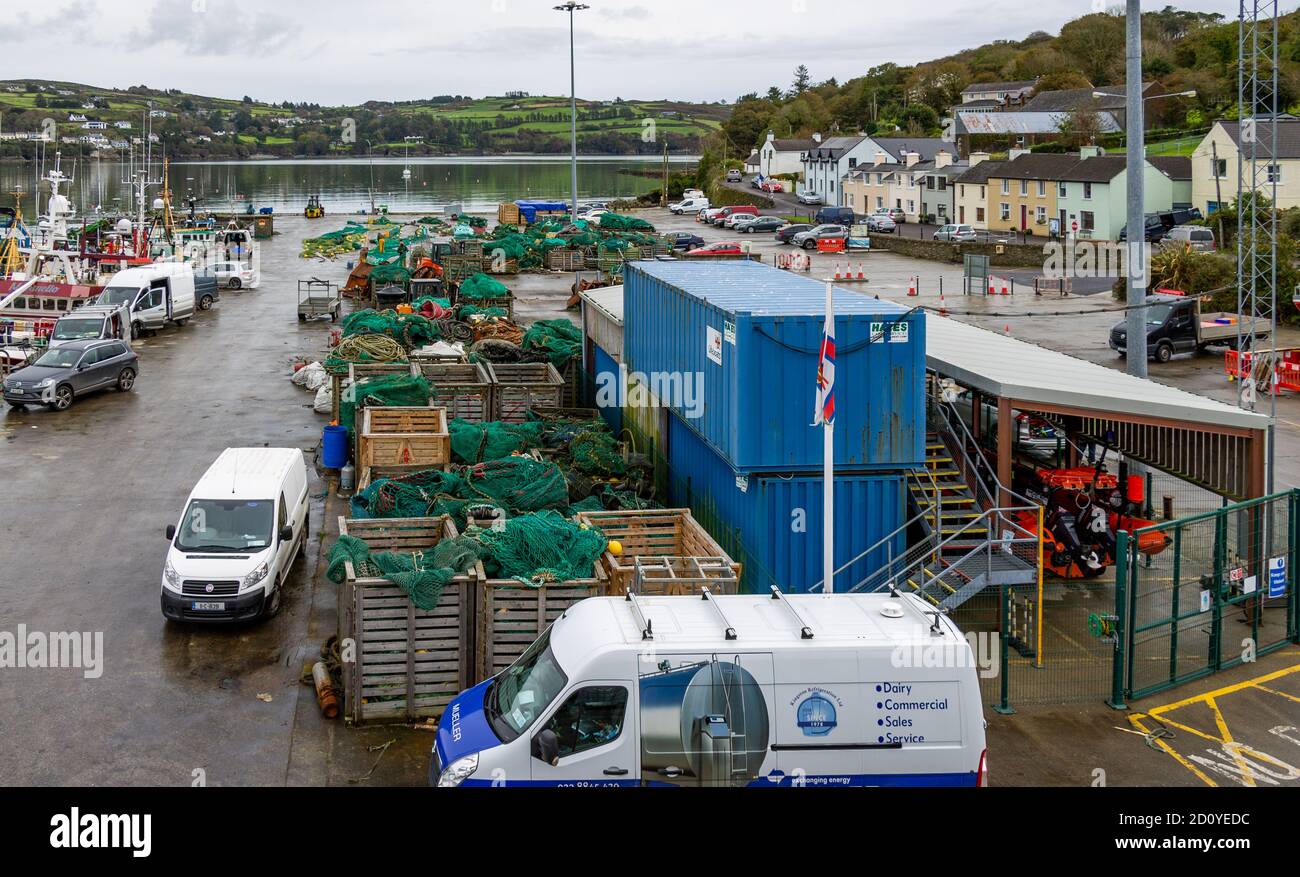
(912, 158)
(942, 158)
(817, 138)
(770, 136)
(881, 158)
(976, 157)
(1088, 152)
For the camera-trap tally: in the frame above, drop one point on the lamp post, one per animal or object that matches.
(1136, 329)
(572, 7)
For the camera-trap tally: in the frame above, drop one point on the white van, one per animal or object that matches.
(1195, 237)
(89, 323)
(689, 205)
(156, 294)
(743, 690)
(242, 527)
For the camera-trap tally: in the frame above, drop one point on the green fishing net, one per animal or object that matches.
(477, 442)
(481, 286)
(422, 575)
(558, 340)
(540, 548)
(386, 391)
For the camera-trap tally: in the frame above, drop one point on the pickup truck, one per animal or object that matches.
(1177, 324)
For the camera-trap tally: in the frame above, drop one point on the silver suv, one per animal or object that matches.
(76, 368)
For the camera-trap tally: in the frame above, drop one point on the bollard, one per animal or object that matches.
(326, 694)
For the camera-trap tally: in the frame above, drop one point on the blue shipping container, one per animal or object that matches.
(604, 364)
(773, 523)
(733, 349)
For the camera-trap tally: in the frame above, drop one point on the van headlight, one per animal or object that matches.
(172, 576)
(255, 576)
(458, 771)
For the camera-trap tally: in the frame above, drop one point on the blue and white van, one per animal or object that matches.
(743, 690)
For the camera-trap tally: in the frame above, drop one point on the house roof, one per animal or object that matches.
(926, 147)
(788, 145)
(1288, 136)
(980, 87)
(1176, 167)
(1023, 122)
(980, 173)
(1071, 99)
(833, 147)
(972, 105)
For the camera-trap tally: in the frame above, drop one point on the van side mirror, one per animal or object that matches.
(286, 533)
(546, 747)
(171, 532)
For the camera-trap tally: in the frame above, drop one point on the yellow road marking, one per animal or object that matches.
(1136, 720)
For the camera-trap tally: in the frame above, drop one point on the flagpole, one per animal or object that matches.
(828, 468)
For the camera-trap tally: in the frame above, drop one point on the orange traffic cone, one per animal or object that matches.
(911, 286)
(1004, 286)
(943, 306)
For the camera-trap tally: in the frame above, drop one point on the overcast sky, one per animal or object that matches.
(344, 51)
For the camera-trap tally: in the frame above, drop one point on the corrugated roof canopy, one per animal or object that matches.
(998, 365)
(608, 300)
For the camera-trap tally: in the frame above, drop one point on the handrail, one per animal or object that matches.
(935, 510)
(965, 439)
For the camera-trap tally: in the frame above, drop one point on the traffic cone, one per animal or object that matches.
(837, 271)
(1004, 286)
(861, 276)
(911, 286)
(992, 290)
(943, 306)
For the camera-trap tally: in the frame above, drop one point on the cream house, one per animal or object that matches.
(971, 196)
(1214, 164)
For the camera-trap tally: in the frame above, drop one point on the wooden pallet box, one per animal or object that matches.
(508, 213)
(565, 260)
(491, 265)
(517, 387)
(409, 663)
(403, 436)
(464, 389)
(659, 533)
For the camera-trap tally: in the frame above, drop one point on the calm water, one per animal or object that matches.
(345, 186)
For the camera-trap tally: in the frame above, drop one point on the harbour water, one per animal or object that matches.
(350, 185)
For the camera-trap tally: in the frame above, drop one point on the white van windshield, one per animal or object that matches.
(77, 330)
(118, 295)
(524, 690)
(226, 525)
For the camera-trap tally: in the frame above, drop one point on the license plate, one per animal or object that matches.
(208, 607)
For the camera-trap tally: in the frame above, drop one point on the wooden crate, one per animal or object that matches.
(423, 359)
(464, 389)
(458, 267)
(508, 266)
(471, 247)
(508, 213)
(516, 387)
(409, 663)
(403, 436)
(565, 260)
(574, 377)
(511, 616)
(651, 533)
(504, 302)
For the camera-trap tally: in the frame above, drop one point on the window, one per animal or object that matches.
(853, 162)
(880, 203)
(1040, 214)
(1042, 189)
(911, 206)
(1024, 188)
(979, 214)
(524, 690)
(591, 717)
(1006, 187)
(929, 183)
(1220, 167)
(962, 190)
(1086, 220)
(1004, 211)
(983, 190)
(1062, 191)
(943, 210)
(1274, 173)
(850, 199)
(1087, 191)
(943, 184)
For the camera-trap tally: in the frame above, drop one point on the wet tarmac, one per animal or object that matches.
(88, 492)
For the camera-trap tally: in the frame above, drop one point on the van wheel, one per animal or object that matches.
(62, 399)
(205, 303)
(126, 380)
(233, 283)
(1164, 353)
(137, 329)
(810, 245)
(273, 603)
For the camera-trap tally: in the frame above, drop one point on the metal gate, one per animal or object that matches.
(1220, 593)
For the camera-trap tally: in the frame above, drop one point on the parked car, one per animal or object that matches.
(78, 367)
(755, 181)
(689, 205)
(955, 232)
(721, 248)
(772, 186)
(1154, 229)
(784, 235)
(683, 240)
(736, 218)
(731, 210)
(236, 275)
(733, 176)
(706, 215)
(1195, 237)
(882, 223)
(834, 216)
(243, 525)
(91, 323)
(751, 224)
(827, 231)
(898, 214)
(808, 196)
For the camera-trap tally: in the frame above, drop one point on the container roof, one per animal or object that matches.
(762, 291)
(608, 300)
(1007, 367)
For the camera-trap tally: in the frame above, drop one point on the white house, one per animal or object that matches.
(157, 114)
(76, 117)
(95, 126)
(125, 126)
(1214, 164)
(777, 156)
(827, 162)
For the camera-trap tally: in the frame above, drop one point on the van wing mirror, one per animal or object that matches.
(286, 533)
(546, 747)
(171, 532)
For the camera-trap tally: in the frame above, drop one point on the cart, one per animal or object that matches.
(318, 299)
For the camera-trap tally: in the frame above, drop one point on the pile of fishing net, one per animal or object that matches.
(348, 239)
(469, 312)
(541, 548)
(618, 222)
(390, 273)
(480, 287)
(556, 340)
(386, 391)
(471, 221)
(495, 350)
(421, 494)
(364, 347)
(494, 440)
(518, 484)
(422, 575)
(409, 330)
(497, 328)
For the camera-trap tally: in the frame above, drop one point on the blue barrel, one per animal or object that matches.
(334, 447)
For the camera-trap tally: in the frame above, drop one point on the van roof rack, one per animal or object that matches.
(642, 623)
(728, 630)
(805, 632)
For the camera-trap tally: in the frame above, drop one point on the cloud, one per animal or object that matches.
(639, 13)
(214, 28)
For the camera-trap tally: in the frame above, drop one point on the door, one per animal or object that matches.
(149, 308)
(85, 376)
(1024, 217)
(961, 213)
(283, 547)
(595, 737)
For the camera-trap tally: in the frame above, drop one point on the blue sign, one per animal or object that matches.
(816, 716)
(1277, 577)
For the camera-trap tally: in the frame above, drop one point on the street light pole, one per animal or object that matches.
(572, 7)
(1136, 322)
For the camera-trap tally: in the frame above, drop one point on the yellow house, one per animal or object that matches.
(1022, 192)
(1214, 165)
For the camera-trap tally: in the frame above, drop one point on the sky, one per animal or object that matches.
(343, 52)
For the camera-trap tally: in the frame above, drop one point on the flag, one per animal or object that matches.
(825, 413)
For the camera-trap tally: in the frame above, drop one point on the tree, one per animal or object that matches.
(1081, 127)
(1096, 44)
(801, 80)
(774, 95)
